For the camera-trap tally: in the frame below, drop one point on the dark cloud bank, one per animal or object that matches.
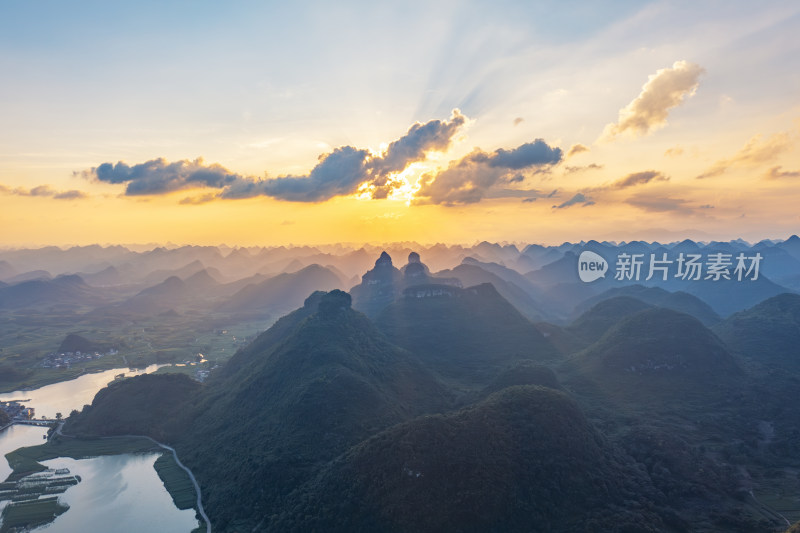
(348, 169)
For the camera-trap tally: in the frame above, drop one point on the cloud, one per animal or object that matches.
(663, 91)
(337, 173)
(776, 173)
(518, 121)
(576, 149)
(572, 170)
(198, 200)
(578, 199)
(481, 174)
(674, 152)
(158, 176)
(41, 190)
(44, 191)
(530, 194)
(340, 172)
(659, 204)
(70, 195)
(754, 152)
(433, 136)
(639, 178)
(523, 156)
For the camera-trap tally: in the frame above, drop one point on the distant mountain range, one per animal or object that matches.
(541, 281)
(62, 291)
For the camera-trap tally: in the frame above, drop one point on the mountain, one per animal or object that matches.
(183, 272)
(107, 276)
(32, 275)
(165, 296)
(467, 334)
(507, 274)
(791, 245)
(150, 404)
(6, 270)
(767, 333)
(677, 301)
(63, 291)
(595, 322)
(331, 381)
(560, 286)
(729, 296)
(379, 287)
(202, 281)
(281, 329)
(562, 270)
(77, 343)
(280, 293)
(524, 373)
(472, 274)
(525, 459)
(658, 352)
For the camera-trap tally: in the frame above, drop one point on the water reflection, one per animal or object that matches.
(120, 493)
(17, 437)
(65, 396)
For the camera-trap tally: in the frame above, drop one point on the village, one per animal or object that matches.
(67, 359)
(16, 411)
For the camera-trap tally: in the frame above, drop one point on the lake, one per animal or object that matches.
(118, 493)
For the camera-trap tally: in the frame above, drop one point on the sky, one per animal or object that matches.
(274, 123)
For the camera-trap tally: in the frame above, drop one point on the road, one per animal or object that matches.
(200, 509)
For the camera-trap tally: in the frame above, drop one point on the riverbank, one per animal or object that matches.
(176, 478)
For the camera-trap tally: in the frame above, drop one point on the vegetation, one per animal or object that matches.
(149, 405)
(595, 322)
(176, 481)
(30, 514)
(677, 301)
(29, 336)
(488, 467)
(24, 461)
(454, 412)
(767, 334)
(657, 342)
(467, 337)
(332, 382)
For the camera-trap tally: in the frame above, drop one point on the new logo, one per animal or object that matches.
(591, 266)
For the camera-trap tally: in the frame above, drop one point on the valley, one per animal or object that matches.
(460, 393)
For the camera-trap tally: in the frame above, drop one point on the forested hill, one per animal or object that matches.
(452, 411)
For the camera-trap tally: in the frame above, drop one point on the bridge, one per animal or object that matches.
(46, 422)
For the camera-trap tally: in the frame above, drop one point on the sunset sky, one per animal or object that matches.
(265, 123)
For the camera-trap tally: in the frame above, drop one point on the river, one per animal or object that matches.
(118, 493)
(65, 396)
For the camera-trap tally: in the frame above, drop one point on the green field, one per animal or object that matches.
(31, 514)
(26, 337)
(176, 481)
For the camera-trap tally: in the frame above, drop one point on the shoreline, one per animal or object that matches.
(70, 377)
(77, 448)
